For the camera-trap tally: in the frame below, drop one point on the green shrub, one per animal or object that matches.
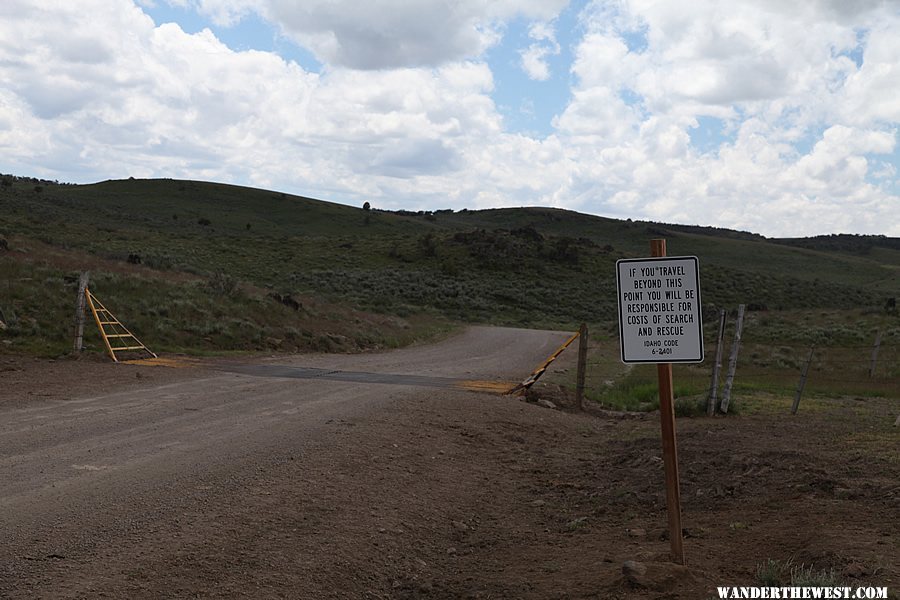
(223, 284)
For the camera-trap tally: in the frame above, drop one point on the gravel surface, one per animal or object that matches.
(124, 481)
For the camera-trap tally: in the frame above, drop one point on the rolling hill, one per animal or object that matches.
(211, 267)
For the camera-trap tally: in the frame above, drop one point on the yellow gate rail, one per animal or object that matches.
(536, 374)
(112, 329)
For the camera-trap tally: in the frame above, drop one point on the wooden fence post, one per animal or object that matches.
(582, 365)
(875, 354)
(78, 345)
(714, 384)
(732, 360)
(802, 383)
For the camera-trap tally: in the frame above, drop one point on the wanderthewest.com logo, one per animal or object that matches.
(781, 593)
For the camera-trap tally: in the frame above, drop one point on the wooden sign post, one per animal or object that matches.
(669, 447)
(660, 322)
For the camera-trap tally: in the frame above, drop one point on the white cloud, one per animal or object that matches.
(534, 62)
(837, 164)
(534, 58)
(166, 103)
(745, 63)
(598, 116)
(870, 94)
(385, 34)
(229, 12)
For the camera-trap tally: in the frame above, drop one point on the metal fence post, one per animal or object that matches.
(582, 365)
(802, 383)
(732, 360)
(717, 365)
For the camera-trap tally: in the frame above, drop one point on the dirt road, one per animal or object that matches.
(119, 481)
(88, 478)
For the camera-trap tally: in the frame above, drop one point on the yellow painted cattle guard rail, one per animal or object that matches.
(115, 336)
(542, 368)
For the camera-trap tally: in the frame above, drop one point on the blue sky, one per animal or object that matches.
(251, 32)
(707, 113)
(528, 105)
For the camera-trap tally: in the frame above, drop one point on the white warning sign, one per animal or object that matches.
(659, 310)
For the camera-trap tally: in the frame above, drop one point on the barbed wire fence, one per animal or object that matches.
(790, 368)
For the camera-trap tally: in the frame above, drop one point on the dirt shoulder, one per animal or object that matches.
(26, 379)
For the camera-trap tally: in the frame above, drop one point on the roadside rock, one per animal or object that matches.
(637, 532)
(633, 570)
(842, 493)
(855, 570)
(551, 393)
(656, 576)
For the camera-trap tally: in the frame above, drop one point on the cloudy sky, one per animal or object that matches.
(769, 116)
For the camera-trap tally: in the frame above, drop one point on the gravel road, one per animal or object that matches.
(87, 480)
(224, 481)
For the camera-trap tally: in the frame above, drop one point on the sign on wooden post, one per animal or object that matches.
(659, 310)
(660, 322)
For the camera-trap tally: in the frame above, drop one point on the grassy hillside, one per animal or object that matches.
(202, 266)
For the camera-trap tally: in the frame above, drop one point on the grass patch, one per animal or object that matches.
(770, 573)
(201, 316)
(773, 573)
(808, 576)
(638, 391)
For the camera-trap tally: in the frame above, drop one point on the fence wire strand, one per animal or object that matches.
(838, 369)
